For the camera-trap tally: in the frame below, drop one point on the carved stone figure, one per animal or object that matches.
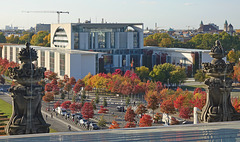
(218, 105)
(27, 95)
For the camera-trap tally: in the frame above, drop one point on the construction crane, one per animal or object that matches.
(58, 12)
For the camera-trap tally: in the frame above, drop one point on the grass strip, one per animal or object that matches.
(7, 109)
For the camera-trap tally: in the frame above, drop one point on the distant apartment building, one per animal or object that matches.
(42, 27)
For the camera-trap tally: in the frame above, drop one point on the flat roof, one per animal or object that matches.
(60, 50)
(186, 50)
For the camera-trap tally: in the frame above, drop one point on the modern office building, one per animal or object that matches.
(79, 48)
(121, 42)
(74, 63)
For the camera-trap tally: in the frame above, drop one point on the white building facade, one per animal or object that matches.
(74, 63)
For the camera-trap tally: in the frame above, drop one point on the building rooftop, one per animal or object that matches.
(60, 50)
(221, 131)
(186, 50)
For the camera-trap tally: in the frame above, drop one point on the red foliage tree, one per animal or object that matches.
(50, 75)
(130, 115)
(185, 112)
(66, 104)
(76, 88)
(65, 78)
(57, 104)
(73, 107)
(130, 125)
(103, 110)
(117, 71)
(48, 87)
(167, 107)
(179, 102)
(152, 102)
(81, 83)
(199, 99)
(54, 81)
(48, 97)
(145, 121)
(55, 90)
(87, 110)
(236, 104)
(114, 125)
(72, 81)
(141, 109)
(79, 106)
(68, 88)
(60, 83)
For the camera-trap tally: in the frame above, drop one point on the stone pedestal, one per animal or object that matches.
(27, 95)
(218, 105)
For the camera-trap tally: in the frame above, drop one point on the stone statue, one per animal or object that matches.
(218, 105)
(27, 95)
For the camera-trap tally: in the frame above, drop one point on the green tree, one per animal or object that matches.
(97, 99)
(2, 38)
(178, 75)
(12, 39)
(105, 102)
(38, 39)
(101, 122)
(200, 76)
(166, 42)
(142, 72)
(127, 101)
(162, 72)
(25, 38)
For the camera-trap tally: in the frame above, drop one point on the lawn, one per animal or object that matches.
(7, 109)
(193, 87)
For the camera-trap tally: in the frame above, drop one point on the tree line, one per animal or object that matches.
(42, 38)
(200, 41)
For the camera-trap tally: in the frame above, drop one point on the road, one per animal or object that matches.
(56, 123)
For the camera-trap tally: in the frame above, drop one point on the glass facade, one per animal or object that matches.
(52, 61)
(101, 40)
(62, 64)
(42, 59)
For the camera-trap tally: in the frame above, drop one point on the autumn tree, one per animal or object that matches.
(72, 81)
(145, 121)
(68, 88)
(157, 117)
(103, 110)
(141, 109)
(48, 87)
(130, 125)
(236, 104)
(38, 39)
(142, 72)
(114, 125)
(88, 88)
(66, 104)
(50, 75)
(76, 88)
(48, 97)
(87, 110)
(57, 104)
(130, 115)
(152, 102)
(185, 112)
(167, 107)
(73, 107)
(65, 78)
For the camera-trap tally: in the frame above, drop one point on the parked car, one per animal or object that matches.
(61, 111)
(120, 108)
(1, 89)
(83, 122)
(93, 126)
(67, 115)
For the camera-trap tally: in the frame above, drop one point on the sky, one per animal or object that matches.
(177, 14)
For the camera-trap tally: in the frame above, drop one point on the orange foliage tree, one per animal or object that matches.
(130, 125)
(114, 125)
(141, 109)
(130, 115)
(145, 121)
